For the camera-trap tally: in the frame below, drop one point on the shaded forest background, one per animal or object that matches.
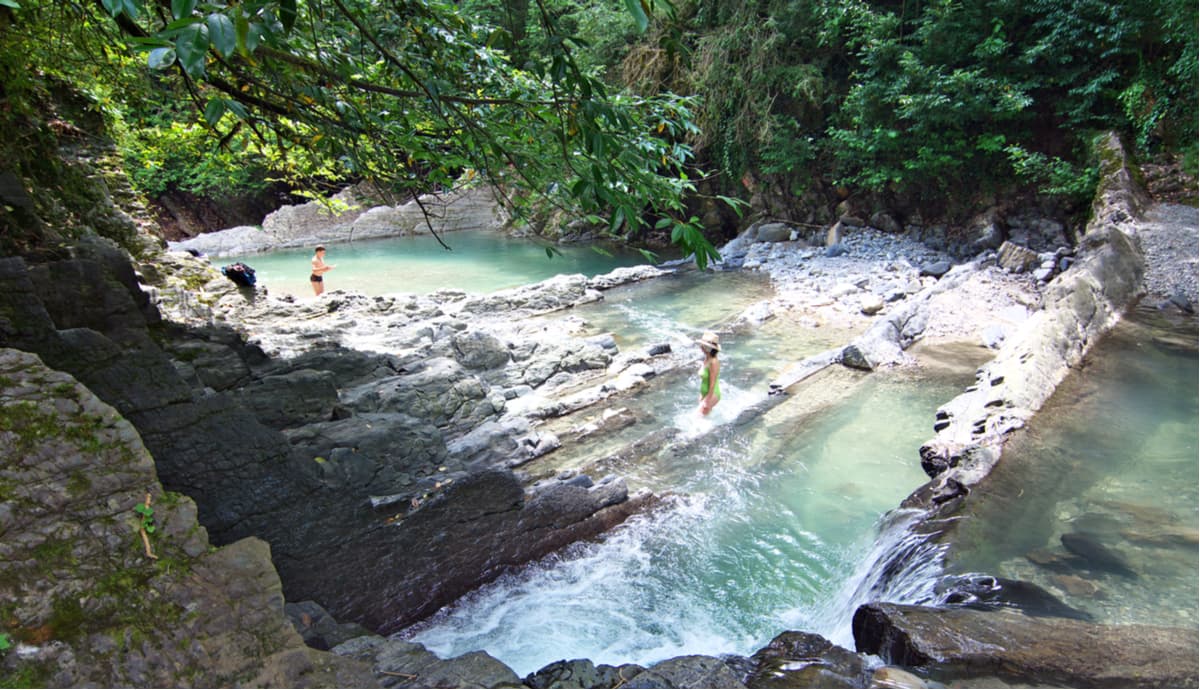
(642, 118)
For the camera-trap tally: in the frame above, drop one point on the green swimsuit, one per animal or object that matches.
(704, 383)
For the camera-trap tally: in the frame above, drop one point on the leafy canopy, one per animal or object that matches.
(412, 94)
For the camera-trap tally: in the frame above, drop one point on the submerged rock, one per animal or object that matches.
(1095, 555)
(963, 643)
(985, 592)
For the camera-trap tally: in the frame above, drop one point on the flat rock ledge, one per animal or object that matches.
(1079, 306)
(963, 643)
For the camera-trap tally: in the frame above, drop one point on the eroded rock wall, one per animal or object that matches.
(95, 593)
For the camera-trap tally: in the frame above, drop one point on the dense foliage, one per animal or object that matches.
(911, 98)
(568, 103)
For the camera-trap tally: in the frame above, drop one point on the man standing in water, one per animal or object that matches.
(319, 269)
(710, 388)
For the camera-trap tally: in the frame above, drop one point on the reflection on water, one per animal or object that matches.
(478, 262)
(1097, 501)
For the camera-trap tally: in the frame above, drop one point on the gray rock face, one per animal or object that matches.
(687, 672)
(318, 628)
(774, 232)
(400, 664)
(964, 643)
(351, 216)
(289, 400)
(1078, 306)
(1018, 259)
(580, 673)
(80, 582)
(363, 472)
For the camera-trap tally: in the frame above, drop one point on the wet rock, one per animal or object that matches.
(892, 677)
(805, 660)
(402, 664)
(964, 643)
(1096, 556)
(577, 673)
(687, 672)
(1076, 586)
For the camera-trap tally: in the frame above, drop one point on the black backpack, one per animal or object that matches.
(240, 273)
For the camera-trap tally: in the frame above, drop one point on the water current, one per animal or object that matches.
(787, 519)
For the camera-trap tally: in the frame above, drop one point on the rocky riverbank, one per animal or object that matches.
(377, 444)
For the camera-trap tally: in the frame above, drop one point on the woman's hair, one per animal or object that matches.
(320, 248)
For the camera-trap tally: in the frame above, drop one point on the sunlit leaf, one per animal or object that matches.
(160, 58)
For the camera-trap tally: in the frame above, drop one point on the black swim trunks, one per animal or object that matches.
(316, 278)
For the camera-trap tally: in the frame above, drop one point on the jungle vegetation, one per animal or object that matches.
(621, 113)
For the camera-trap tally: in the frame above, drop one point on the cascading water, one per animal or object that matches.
(762, 522)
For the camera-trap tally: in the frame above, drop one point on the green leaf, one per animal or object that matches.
(221, 34)
(639, 14)
(113, 7)
(143, 509)
(13, 4)
(130, 8)
(241, 29)
(182, 8)
(161, 58)
(617, 219)
(214, 110)
(5, 642)
(149, 529)
(192, 49)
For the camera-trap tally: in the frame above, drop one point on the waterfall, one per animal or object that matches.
(902, 566)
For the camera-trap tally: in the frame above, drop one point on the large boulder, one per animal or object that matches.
(693, 671)
(806, 660)
(461, 536)
(965, 643)
(403, 664)
(109, 581)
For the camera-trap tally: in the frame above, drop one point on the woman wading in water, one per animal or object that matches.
(710, 387)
